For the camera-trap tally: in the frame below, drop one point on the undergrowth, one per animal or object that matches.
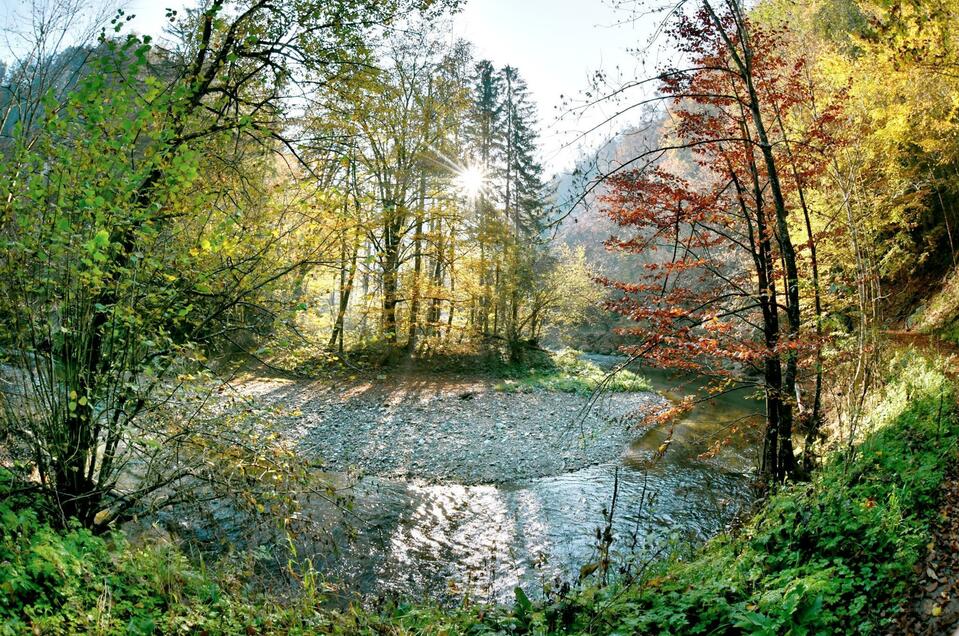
(568, 372)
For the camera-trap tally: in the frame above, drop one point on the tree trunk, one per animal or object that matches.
(417, 268)
(436, 283)
(786, 462)
(812, 422)
(347, 276)
(391, 263)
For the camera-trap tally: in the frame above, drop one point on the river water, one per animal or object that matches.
(447, 542)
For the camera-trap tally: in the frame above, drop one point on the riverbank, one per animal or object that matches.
(832, 556)
(837, 555)
(471, 484)
(452, 428)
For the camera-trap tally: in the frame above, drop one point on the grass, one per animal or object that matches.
(567, 372)
(939, 313)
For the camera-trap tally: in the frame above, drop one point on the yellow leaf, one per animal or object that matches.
(936, 611)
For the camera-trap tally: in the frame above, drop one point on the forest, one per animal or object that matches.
(316, 318)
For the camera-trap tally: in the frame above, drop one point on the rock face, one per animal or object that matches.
(427, 430)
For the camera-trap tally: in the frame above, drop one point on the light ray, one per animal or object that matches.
(471, 181)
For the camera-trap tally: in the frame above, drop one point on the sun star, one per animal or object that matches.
(470, 181)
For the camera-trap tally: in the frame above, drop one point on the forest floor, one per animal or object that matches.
(933, 607)
(451, 427)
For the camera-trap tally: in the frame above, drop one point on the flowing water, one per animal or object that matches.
(448, 542)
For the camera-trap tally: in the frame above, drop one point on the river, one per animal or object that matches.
(415, 539)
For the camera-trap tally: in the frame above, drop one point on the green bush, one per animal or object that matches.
(568, 372)
(74, 582)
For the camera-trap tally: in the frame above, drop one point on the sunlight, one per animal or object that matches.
(470, 181)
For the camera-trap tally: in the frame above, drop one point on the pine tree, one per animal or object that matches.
(485, 133)
(523, 194)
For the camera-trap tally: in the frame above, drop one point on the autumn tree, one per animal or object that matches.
(725, 290)
(401, 120)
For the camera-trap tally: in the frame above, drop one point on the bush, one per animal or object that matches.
(568, 372)
(74, 582)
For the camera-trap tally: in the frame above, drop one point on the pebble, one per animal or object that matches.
(493, 438)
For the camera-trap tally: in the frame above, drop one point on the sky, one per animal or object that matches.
(556, 45)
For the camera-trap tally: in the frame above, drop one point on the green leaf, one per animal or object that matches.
(523, 604)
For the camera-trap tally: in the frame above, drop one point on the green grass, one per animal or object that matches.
(567, 372)
(950, 332)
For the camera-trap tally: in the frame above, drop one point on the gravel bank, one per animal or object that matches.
(453, 431)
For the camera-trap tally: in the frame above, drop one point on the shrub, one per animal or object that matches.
(568, 372)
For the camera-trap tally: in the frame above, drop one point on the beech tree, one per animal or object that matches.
(725, 290)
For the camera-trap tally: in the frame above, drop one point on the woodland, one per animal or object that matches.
(300, 332)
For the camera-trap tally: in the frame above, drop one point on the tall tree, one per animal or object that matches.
(485, 133)
(522, 199)
(729, 270)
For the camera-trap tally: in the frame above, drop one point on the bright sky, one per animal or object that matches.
(556, 45)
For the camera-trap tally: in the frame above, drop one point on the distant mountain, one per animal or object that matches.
(581, 218)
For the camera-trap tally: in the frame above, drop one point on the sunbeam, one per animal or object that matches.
(470, 181)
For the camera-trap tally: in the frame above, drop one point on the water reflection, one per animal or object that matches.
(450, 542)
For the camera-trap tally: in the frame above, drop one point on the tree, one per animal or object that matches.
(399, 127)
(726, 290)
(135, 236)
(522, 197)
(485, 135)
(511, 210)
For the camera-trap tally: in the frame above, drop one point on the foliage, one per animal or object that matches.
(149, 222)
(569, 372)
(74, 582)
(896, 181)
(725, 292)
